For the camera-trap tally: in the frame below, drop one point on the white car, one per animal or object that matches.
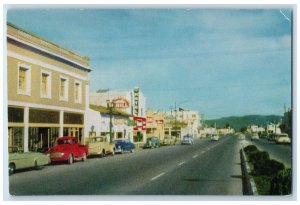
(214, 138)
(254, 136)
(282, 139)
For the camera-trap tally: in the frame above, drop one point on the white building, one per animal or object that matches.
(131, 102)
(99, 123)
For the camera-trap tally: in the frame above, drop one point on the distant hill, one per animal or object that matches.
(243, 121)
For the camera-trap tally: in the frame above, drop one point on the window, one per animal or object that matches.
(45, 84)
(24, 79)
(77, 91)
(63, 89)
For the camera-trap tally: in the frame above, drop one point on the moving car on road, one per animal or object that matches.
(254, 136)
(122, 145)
(100, 146)
(187, 139)
(214, 138)
(21, 160)
(68, 149)
(152, 142)
(282, 139)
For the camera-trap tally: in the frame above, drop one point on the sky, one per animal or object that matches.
(220, 62)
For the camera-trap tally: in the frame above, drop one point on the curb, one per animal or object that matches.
(248, 181)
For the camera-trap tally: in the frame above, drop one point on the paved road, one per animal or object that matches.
(279, 152)
(205, 168)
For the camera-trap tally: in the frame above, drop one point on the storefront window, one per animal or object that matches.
(41, 139)
(16, 137)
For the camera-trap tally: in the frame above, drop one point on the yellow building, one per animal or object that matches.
(48, 91)
(155, 124)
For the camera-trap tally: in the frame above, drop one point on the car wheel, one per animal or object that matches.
(103, 153)
(132, 150)
(84, 157)
(36, 167)
(70, 160)
(113, 152)
(11, 168)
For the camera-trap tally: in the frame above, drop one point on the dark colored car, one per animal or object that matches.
(123, 145)
(152, 142)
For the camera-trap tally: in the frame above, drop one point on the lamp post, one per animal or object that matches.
(110, 107)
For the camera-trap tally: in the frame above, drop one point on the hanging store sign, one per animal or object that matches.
(140, 123)
(136, 94)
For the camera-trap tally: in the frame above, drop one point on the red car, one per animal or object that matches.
(68, 149)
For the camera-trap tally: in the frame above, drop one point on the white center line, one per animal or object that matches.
(161, 174)
(181, 163)
(195, 156)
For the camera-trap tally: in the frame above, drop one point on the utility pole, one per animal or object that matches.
(110, 106)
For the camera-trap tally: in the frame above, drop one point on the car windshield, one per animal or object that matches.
(65, 141)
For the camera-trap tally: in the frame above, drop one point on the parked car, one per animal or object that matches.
(22, 160)
(152, 142)
(68, 149)
(100, 146)
(214, 138)
(169, 140)
(254, 136)
(122, 145)
(271, 137)
(282, 139)
(187, 139)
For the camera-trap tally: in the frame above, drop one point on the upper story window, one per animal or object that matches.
(63, 88)
(24, 79)
(45, 84)
(78, 91)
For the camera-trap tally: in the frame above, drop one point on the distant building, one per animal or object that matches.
(132, 102)
(155, 124)
(182, 122)
(48, 91)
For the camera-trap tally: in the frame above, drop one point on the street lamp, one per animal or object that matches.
(110, 107)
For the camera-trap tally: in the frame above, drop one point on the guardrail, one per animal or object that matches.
(248, 181)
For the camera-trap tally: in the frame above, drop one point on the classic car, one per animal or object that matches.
(282, 139)
(22, 160)
(152, 142)
(254, 136)
(101, 146)
(68, 149)
(214, 138)
(122, 145)
(187, 139)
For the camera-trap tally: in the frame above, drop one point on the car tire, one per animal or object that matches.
(11, 168)
(70, 160)
(84, 157)
(103, 153)
(132, 150)
(36, 166)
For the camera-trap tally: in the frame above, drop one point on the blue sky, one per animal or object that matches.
(219, 62)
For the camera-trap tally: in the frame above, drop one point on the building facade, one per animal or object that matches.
(132, 102)
(99, 123)
(48, 91)
(155, 124)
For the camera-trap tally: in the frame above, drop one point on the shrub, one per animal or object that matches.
(250, 148)
(263, 184)
(281, 184)
(269, 167)
(258, 156)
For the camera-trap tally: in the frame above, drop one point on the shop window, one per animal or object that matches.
(45, 84)
(43, 116)
(24, 79)
(63, 88)
(15, 114)
(41, 139)
(15, 138)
